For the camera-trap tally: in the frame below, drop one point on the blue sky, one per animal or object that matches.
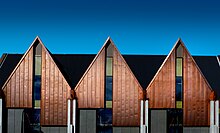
(136, 27)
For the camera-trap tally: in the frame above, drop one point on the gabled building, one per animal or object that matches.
(109, 89)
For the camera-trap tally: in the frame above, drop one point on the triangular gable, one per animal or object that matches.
(90, 88)
(124, 63)
(18, 86)
(196, 90)
(127, 92)
(194, 62)
(160, 96)
(126, 89)
(55, 91)
(167, 71)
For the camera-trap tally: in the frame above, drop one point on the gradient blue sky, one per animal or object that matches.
(136, 27)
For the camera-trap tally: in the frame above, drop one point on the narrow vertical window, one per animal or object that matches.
(175, 116)
(104, 115)
(179, 76)
(35, 116)
(108, 79)
(32, 116)
(37, 77)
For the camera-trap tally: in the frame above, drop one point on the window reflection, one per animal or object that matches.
(178, 88)
(108, 88)
(104, 120)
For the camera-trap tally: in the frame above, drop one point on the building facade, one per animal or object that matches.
(108, 89)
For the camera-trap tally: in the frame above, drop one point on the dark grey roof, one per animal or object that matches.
(7, 66)
(211, 70)
(144, 67)
(73, 66)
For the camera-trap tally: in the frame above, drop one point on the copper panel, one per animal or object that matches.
(90, 90)
(56, 85)
(43, 82)
(26, 85)
(13, 91)
(30, 77)
(196, 95)
(161, 91)
(54, 93)
(51, 89)
(21, 83)
(18, 87)
(60, 101)
(127, 94)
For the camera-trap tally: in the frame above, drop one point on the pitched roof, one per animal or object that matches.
(218, 58)
(73, 66)
(144, 67)
(211, 70)
(7, 66)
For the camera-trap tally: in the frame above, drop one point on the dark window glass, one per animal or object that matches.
(104, 129)
(104, 120)
(37, 77)
(37, 86)
(104, 117)
(108, 88)
(175, 120)
(37, 92)
(31, 120)
(178, 88)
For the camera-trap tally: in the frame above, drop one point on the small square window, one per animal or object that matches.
(37, 104)
(179, 105)
(108, 104)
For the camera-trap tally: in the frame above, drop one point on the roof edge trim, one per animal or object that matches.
(178, 40)
(22, 58)
(93, 61)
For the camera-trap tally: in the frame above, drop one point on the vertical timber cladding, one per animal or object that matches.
(18, 87)
(54, 92)
(196, 94)
(90, 90)
(127, 93)
(161, 91)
